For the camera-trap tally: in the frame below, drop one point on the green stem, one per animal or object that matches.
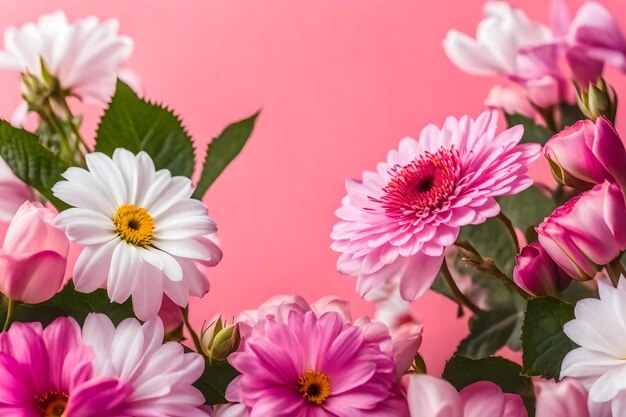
(458, 294)
(192, 333)
(509, 227)
(12, 306)
(496, 272)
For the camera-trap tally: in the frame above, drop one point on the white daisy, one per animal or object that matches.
(84, 57)
(142, 232)
(600, 361)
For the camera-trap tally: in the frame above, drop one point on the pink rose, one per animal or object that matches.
(537, 273)
(14, 192)
(587, 232)
(586, 154)
(171, 315)
(34, 255)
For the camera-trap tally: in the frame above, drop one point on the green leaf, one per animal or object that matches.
(461, 372)
(532, 131)
(31, 161)
(69, 302)
(527, 208)
(570, 114)
(214, 381)
(543, 340)
(489, 331)
(138, 125)
(222, 150)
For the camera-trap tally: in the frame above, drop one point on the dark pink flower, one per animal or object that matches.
(49, 373)
(537, 273)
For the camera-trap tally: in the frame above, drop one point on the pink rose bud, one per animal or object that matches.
(34, 255)
(586, 154)
(587, 232)
(537, 273)
(172, 317)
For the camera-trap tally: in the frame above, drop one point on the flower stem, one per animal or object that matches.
(192, 333)
(614, 270)
(458, 294)
(471, 256)
(509, 227)
(12, 306)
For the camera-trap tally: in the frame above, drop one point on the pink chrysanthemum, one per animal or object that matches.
(299, 364)
(397, 221)
(49, 373)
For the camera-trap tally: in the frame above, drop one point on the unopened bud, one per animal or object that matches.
(219, 341)
(598, 99)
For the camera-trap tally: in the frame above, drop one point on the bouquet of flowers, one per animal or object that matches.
(538, 267)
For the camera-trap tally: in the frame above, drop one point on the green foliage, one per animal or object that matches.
(543, 340)
(222, 150)
(69, 302)
(532, 131)
(570, 114)
(138, 125)
(528, 208)
(492, 240)
(214, 381)
(461, 372)
(31, 161)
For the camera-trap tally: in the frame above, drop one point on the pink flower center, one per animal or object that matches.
(52, 404)
(423, 185)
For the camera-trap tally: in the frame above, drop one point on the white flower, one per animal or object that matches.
(84, 57)
(600, 361)
(502, 39)
(141, 231)
(160, 375)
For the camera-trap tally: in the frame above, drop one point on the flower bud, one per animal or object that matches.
(586, 233)
(34, 255)
(37, 89)
(219, 341)
(598, 99)
(172, 317)
(537, 273)
(586, 154)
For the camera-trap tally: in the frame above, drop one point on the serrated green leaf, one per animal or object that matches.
(490, 331)
(70, 303)
(543, 340)
(222, 150)
(461, 372)
(31, 161)
(138, 125)
(214, 381)
(532, 131)
(527, 208)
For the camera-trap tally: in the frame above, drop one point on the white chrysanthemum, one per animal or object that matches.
(600, 361)
(84, 57)
(160, 375)
(142, 232)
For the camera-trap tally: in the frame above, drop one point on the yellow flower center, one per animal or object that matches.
(52, 404)
(314, 387)
(134, 224)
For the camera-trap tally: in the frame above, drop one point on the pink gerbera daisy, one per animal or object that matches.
(299, 364)
(49, 373)
(397, 221)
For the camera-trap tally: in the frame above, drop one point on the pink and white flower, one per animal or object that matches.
(599, 361)
(160, 376)
(84, 57)
(397, 221)
(429, 396)
(33, 257)
(49, 373)
(142, 232)
(14, 192)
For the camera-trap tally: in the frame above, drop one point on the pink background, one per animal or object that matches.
(339, 83)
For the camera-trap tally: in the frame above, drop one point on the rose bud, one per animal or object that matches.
(34, 255)
(586, 154)
(598, 99)
(172, 317)
(218, 341)
(537, 273)
(586, 233)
